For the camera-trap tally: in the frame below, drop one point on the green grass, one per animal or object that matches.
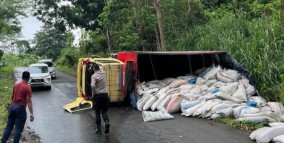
(69, 70)
(6, 85)
(247, 126)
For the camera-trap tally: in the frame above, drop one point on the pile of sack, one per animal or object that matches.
(210, 93)
(275, 133)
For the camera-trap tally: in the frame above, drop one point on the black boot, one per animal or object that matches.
(99, 131)
(107, 125)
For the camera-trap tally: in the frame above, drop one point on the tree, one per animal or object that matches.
(22, 45)
(49, 41)
(161, 26)
(62, 13)
(10, 11)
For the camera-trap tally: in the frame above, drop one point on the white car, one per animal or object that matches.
(51, 68)
(39, 75)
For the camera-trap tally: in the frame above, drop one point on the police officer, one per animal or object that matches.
(100, 97)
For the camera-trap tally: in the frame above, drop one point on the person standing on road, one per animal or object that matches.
(100, 97)
(17, 114)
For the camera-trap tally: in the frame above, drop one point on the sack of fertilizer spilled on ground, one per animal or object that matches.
(155, 116)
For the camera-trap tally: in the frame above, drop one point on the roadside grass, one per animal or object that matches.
(6, 87)
(246, 126)
(69, 70)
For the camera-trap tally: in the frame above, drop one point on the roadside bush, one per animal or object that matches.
(21, 59)
(256, 44)
(6, 84)
(68, 57)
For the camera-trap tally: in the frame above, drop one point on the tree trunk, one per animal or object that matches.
(187, 20)
(109, 41)
(160, 24)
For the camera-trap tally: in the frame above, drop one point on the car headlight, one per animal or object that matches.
(48, 76)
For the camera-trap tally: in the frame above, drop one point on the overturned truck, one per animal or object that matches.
(129, 68)
(148, 66)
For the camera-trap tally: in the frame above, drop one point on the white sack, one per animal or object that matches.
(267, 135)
(210, 82)
(143, 100)
(259, 100)
(279, 139)
(240, 93)
(230, 88)
(227, 112)
(154, 116)
(200, 81)
(257, 132)
(227, 97)
(186, 87)
(190, 111)
(164, 103)
(202, 108)
(150, 102)
(232, 74)
(167, 81)
(249, 110)
(216, 108)
(188, 104)
(209, 107)
(212, 73)
(151, 91)
(223, 79)
(276, 124)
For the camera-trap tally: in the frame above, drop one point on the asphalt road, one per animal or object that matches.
(54, 125)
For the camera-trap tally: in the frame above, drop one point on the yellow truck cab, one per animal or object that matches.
(113, 69)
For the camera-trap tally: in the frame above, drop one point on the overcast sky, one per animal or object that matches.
(30, 25)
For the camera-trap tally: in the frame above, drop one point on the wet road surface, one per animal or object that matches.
(54, 125)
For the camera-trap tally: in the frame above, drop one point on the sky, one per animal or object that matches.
(30, 25)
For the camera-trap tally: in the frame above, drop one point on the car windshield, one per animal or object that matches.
(38, 69)
(50, 64)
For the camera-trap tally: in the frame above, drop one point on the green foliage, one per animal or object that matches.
(181, 16)
(93, 43)
(49, 42)
(10, 11)
(247, 126)
(6, 83)
(23, 46)
(81, 14)
(69, 57)
(21, 59)
(256, 44)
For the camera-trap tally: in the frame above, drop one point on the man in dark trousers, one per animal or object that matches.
(100, 97)
(17, 115)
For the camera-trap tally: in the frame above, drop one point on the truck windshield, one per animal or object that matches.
(38, 69)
